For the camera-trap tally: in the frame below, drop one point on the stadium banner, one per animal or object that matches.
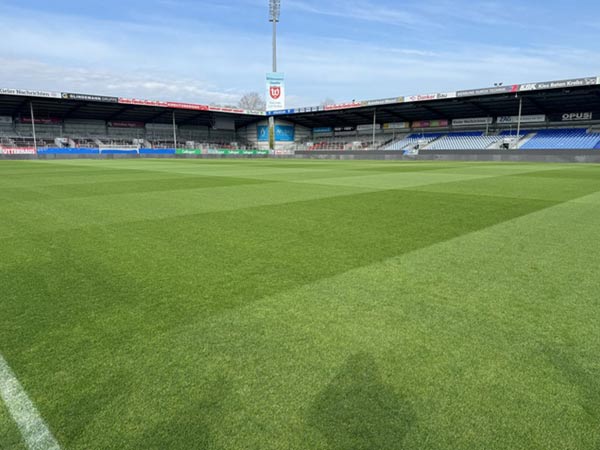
(275, 91)
(489, 91)
(17, 150)
(524, 119)
(188, 151)
(281, 112)
(421, 98)
(323, 130)
(573, 82)
(572, 117)
(29, 93)
(6, 120)
(344, 129)
(396, 125)
(446, 95)
(227, 110)
(41, 120)
(472, 121)
(382, 101)
(68, 151)
(89, 98)
(224, 109)
(160, 104)
(430, 124)
(125, 124)
(237, 152)
(157, 151)
(283, 133)
(340, 106)
(309, 109)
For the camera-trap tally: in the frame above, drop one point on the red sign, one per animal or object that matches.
(342, 106)
(41, 121)
(275, 92)
(17, 150)
(430, 124)
(159, 104)
(227, 110)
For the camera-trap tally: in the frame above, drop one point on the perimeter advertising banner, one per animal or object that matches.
(17, 151)
(275, 91)
(188, 151)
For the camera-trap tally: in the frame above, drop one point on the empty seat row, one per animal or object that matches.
(562, 139)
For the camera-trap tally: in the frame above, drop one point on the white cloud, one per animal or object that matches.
(205, 64)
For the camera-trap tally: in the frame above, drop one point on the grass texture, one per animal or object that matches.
(171, 304)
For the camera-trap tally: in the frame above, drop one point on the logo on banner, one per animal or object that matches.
(573, 117)
(275, 92)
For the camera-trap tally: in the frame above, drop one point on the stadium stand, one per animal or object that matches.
(472, 140)
(413, 140)
(342, 143)
(563, 139)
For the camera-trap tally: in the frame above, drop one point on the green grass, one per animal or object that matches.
(167, 304)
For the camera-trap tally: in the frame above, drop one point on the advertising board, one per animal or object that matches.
(524, 119)
(275, 91)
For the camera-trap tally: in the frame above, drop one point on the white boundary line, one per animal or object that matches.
(35, 433)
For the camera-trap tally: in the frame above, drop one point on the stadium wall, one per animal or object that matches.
(556, 156)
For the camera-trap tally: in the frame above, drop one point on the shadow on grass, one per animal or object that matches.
(358, 411)
(585, 380)
(195, 424)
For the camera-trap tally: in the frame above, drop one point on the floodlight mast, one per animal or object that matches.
(274, 13)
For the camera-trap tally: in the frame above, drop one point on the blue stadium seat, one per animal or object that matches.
(563, 139)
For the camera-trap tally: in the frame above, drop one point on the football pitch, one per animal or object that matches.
(266, 304)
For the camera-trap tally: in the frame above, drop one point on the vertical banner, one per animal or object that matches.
(275, 91)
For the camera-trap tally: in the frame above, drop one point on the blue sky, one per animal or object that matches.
(214, 51)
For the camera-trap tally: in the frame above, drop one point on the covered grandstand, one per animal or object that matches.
(560, 115)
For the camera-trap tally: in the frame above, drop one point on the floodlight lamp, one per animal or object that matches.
(274, 10)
